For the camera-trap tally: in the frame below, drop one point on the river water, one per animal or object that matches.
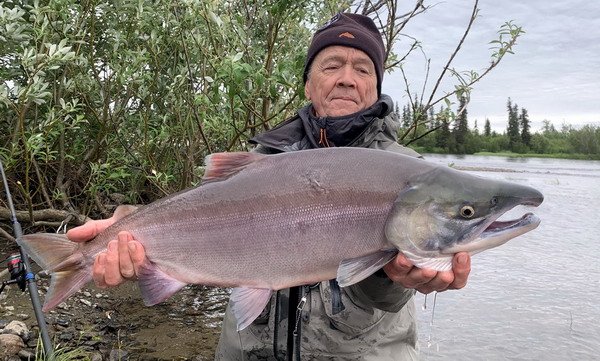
(538, 296)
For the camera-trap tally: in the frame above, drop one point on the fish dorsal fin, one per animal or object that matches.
(357, 269)
(123, 211)
(220, 166)
(247, 304)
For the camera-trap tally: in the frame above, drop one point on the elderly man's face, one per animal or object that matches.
(342, 81)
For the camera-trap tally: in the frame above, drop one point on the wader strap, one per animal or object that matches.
(292, 305)
(276, 328)
(337, 305)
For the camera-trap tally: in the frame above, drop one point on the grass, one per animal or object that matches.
(537, 155)
(61, 353)
(517, 155)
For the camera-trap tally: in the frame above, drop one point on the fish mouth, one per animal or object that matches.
(498, 233)
(511, 226)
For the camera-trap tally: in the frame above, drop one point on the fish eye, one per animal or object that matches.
(494, 201)
(467, 211)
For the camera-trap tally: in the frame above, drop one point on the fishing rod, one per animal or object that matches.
(21, 272)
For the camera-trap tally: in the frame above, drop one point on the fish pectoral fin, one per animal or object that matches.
(354, 270)
(155, 285)
(441, 263)
(247, 304)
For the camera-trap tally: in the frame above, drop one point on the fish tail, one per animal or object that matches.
(62, 257)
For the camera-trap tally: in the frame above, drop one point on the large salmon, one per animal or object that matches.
(265, 222)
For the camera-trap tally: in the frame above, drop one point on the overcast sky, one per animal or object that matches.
(554, 73)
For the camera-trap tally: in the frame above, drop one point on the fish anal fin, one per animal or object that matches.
(220, 166)
(247, 304)
(357, 269)
(155, 285)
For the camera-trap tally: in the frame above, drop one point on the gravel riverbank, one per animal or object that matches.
(114, 324)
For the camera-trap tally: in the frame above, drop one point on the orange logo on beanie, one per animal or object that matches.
(346, 35)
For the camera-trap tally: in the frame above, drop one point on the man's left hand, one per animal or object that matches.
(402, 271)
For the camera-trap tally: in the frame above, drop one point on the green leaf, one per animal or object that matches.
(217, 20)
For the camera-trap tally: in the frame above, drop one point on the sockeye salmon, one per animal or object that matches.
(260, 223)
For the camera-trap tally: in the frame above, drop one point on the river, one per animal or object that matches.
(536, 297)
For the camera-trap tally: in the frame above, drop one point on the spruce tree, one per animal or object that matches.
(406, 116)
(436, 124)
(512, 131)
(487, 129)
(442, 135)
(548, 127)
(431, 119)
(461, 126)
(525, 127)
(397, 114)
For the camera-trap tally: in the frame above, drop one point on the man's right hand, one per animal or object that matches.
(124, 256)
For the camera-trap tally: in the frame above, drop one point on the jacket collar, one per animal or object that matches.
(305, 130)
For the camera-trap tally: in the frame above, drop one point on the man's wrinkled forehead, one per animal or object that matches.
(341, 54)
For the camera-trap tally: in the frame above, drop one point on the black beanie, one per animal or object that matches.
(353, 30)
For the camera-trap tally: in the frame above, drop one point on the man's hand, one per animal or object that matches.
(401, 270)
(124, 256)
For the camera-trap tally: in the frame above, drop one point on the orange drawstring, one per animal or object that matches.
(323, 138)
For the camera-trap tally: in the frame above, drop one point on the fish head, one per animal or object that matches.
(445, 211)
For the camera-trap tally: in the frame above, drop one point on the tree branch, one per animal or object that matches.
(47, 215)
(447, 66)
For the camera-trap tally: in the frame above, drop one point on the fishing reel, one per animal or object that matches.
(16, 268)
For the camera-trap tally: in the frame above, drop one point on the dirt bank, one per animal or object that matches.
(185, 327)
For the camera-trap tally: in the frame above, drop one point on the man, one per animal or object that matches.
(371, 320)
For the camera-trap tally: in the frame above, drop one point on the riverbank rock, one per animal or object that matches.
(10, 345)
(18, 328)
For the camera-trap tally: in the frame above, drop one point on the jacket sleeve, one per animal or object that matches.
(263, 150)
(378, 291)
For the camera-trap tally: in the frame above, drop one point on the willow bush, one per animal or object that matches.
(118, 101)
(127, 97)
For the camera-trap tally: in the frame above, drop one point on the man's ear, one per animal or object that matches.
(306, 90)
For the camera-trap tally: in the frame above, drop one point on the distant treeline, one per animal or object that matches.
(448, 132)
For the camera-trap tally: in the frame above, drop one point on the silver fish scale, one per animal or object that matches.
(273, 243)
(257, 227)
